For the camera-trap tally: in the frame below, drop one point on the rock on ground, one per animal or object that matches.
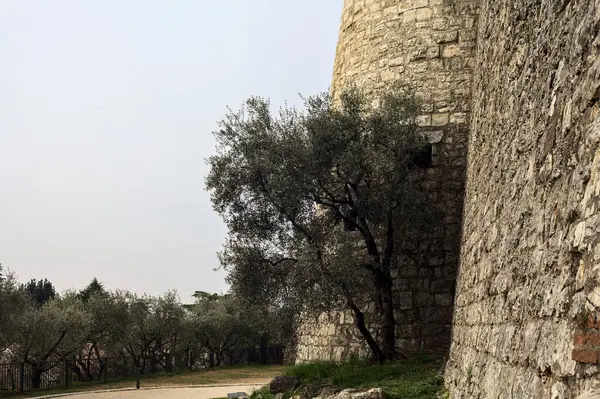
(375, 393)
(281, 384)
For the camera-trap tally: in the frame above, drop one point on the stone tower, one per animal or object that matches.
(431, 45)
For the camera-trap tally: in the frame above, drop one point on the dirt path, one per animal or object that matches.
(176, 392)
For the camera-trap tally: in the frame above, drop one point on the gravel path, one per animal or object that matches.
(197, 392)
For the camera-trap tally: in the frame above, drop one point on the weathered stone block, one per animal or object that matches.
(424, 120)
(467, 35)
(391, 11)
(409, 330)
(424, 13)
(434, 314)
(441, 286)
(405, 300)
(458, 118)
(388, 75)
(432, 52)
(282, 384)
(440, 24)
(396, 61)
(455, 63)
(450, 50)
(423, 299)
(409, 16)
(375, 393)
(419, 66)
(446, 37)
(426, 108)
(585, 355)
(439, 119)
(420, 3)
(418, 54)
(405, 5)
(444, 107)
(435, 136)
(444, 299)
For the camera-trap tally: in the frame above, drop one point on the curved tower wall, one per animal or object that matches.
(431, 45)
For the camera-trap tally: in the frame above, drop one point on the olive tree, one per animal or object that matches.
(167, 321)
(316, 200)
(221, 329)
(132, 329)
(94, 324)
(13, 302)
(100, 308)
(50, 333)
(145, 328)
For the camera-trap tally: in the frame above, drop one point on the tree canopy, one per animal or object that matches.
(316, 200)
(40, 291)
(151, 332)
(93, 288)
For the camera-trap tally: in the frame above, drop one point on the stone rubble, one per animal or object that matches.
(374, 393)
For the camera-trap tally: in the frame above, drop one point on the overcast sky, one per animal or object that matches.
(106, 114)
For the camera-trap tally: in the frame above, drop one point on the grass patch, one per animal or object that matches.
(221, 375)
(415, 378)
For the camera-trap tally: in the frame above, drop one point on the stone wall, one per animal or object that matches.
(431, 45)
(526, 321)
(329, 336)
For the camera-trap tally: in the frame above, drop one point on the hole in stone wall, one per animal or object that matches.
(424, 157)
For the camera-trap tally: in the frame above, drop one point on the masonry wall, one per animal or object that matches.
(526, 319)
(430, 44)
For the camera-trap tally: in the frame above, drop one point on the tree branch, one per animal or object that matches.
(275, 263)
(336, 209)
(53, 348)
(389, 248)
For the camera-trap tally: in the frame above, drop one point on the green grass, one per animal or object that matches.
(417, 378)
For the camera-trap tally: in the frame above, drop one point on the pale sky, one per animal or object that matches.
(106, 114)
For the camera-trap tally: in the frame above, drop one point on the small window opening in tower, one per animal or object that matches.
(424, 157)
